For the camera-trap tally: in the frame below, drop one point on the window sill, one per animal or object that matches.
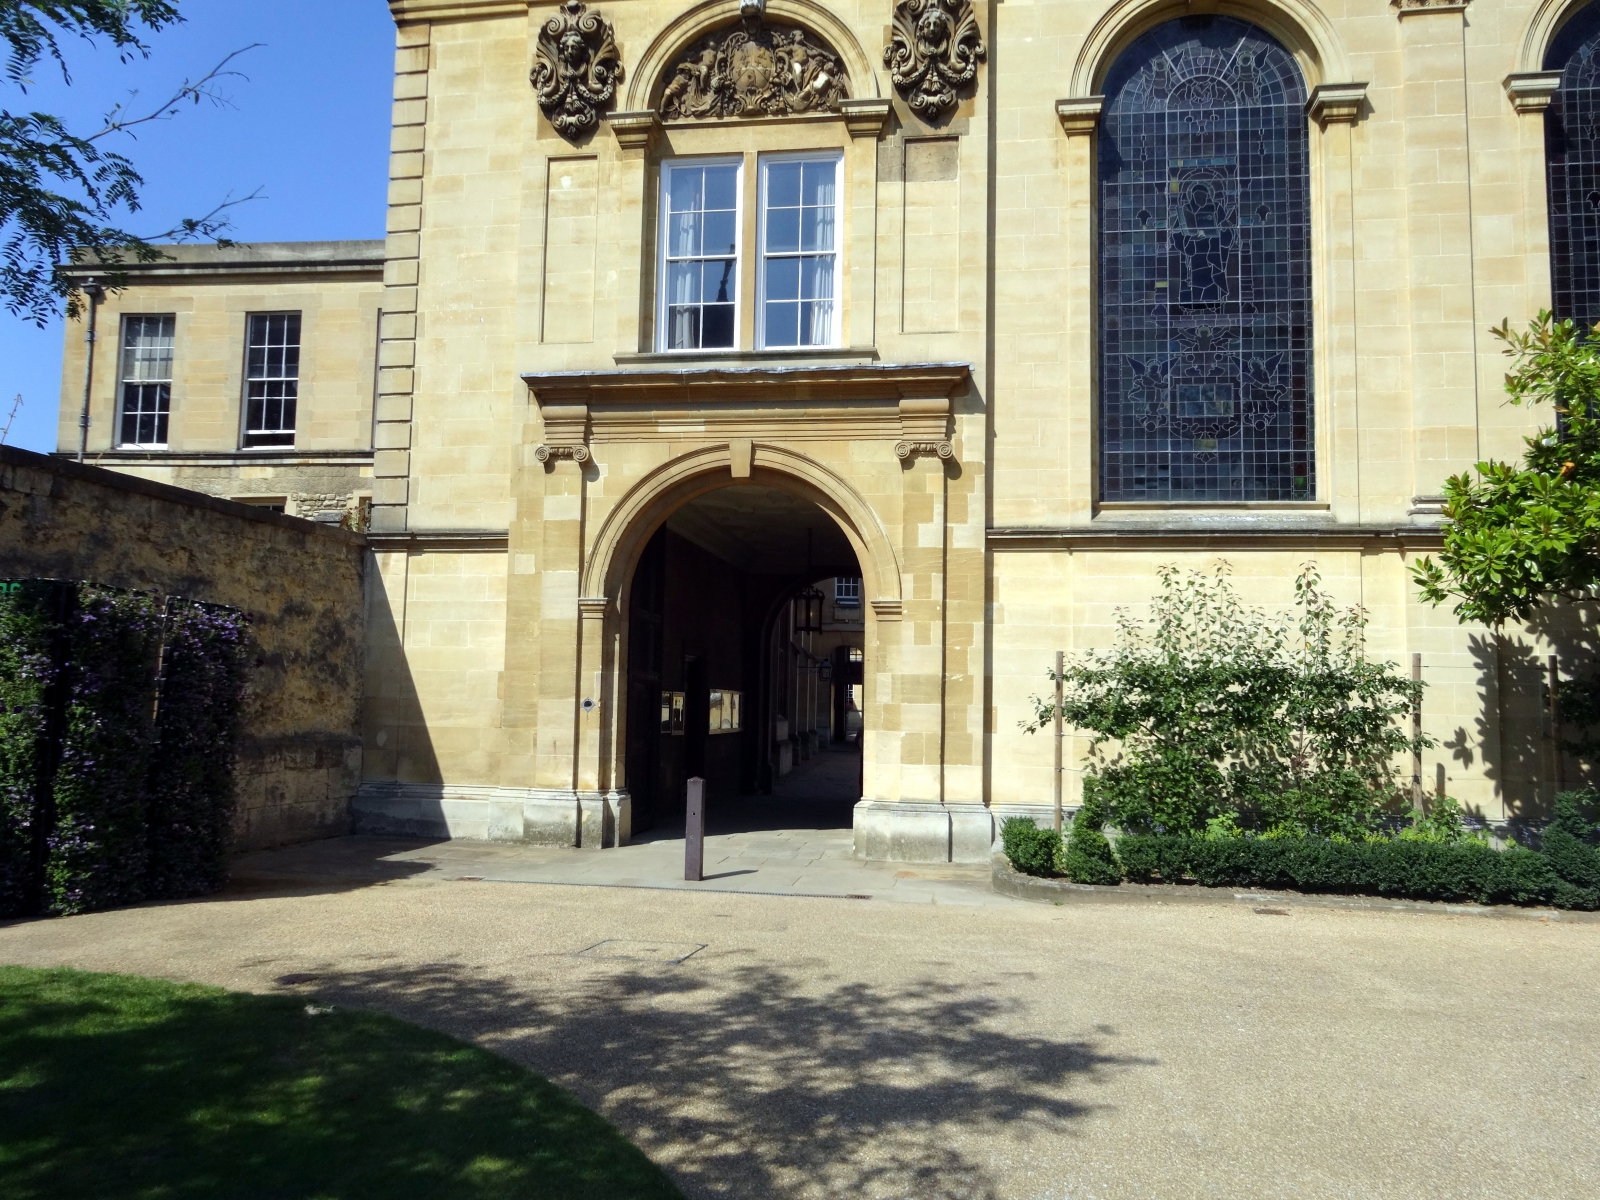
(834, 354)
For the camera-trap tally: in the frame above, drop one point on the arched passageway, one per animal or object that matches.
(745, 656)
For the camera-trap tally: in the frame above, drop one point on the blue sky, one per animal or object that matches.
(309, 126)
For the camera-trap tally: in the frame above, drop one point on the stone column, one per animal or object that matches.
(397, 345)
(867, 120)
(1080, 119)
(624, 252)
(1443, 317)
(1335, 107)
(1530, 94)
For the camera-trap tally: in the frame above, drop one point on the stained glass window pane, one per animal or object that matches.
(1572, 155)
(1205, 269)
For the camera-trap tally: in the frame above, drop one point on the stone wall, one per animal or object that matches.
(300, 583)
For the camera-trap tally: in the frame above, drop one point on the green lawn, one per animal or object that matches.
(115, 1086)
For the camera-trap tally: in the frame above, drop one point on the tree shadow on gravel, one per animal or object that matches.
(762, 1082)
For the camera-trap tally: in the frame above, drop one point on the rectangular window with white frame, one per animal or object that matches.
(272, 379)
(847, 592)
(145, 380)
(799, 278)
(700, 209)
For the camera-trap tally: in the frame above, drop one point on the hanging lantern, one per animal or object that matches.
(808, 611)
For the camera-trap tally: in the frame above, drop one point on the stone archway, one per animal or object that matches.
(626, 530)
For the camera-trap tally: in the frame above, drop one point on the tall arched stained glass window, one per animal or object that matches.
(1572, 155)
(1205, 269)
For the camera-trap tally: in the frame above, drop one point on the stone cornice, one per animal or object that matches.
(406, 12)
(418, 541)
(855, 383)
(1413, 8)
(1335, 103)
(1080, 114)
(1244, 533)
(1531, 91)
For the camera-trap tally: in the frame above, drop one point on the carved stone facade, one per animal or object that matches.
(755, 69)
(578, 69)
(934, 52)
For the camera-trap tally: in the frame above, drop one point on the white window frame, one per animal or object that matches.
(847, 591)
(123, 381)
(835, 325)
(663, 204)
(245, 432)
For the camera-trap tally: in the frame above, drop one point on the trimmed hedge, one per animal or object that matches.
(1565, 873)
(1032, 850)
(119, 713)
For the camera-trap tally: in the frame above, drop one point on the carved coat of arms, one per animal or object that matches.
(577, 70)
(755, 69)
(934, 49)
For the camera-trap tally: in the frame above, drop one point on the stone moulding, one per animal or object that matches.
(1406, 8)
(1531, 91)
(755, 69)
(1080, 114)
(933, 52)
(1336, 103)
(577, 453)
(577, 69)
(907, 450)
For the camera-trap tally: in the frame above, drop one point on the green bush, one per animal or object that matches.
(1212, 707)
(1032, 850)
(1402, 868)
(1089, 857)
(118, 718)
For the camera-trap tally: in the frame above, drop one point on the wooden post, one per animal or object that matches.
(1061, 666)
(694, 832)
(1554, 670)
(1416, 737)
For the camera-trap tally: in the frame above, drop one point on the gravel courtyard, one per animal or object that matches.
(836, 1047)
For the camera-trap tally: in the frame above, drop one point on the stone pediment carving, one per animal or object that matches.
(934, 50)
(577, 70)
(755, 69)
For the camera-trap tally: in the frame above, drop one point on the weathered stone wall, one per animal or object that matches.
(300, 583)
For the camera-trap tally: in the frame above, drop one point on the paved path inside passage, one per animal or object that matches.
(764, 1046)
(796, 842)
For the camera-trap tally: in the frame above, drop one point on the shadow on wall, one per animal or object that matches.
(1520, 758)
(398, 746)
(778, 1083)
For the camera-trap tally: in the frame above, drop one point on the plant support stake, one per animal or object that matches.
(1061, 668)
(1554, 670)
(1416, 737)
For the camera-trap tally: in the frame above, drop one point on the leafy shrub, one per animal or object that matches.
(1211, 708)
(28, 625)
(116, 783)
(1402, 868)
(191, 770)
(1032, 850)
(1089, 857)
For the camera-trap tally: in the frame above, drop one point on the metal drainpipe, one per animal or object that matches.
(92, 289)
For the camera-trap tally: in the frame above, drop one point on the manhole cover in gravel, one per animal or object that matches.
(666, 952)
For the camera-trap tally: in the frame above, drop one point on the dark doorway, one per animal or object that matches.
(738, 611)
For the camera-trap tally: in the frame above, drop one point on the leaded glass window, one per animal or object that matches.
(1572, 156)
(1205, 269)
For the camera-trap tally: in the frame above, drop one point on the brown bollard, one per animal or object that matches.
(694, 832)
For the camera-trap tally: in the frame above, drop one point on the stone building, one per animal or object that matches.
(997, 307)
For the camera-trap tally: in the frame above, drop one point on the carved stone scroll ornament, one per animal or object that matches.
(578, 69)
(754, 69)
(940, 447)
(578, 454)
(934, 50)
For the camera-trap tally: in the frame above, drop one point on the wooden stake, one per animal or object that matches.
(1554, 671)
(1416, 737)
(1061, 667)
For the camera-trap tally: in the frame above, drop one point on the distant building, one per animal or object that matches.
(993, 308)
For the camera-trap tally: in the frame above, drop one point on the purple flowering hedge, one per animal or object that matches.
(119, 714)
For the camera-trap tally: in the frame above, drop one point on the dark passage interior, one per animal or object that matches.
(745, 666)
